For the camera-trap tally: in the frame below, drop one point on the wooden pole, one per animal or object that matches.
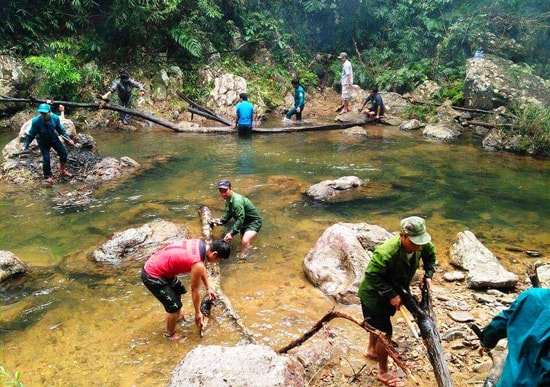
(423, 312)
(102, 105)
(214, 278)
(363, 324)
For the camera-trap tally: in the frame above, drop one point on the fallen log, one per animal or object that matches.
(215, 281)
(303, 128)
(488, 125)
(363, 324)
(102, 105)
(426, 320)
(203, 111)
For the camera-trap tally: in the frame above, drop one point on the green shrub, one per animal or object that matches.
(6, 379)
(61, 73)
(532, 122)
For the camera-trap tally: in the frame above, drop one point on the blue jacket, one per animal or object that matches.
(299, 97)
(46, 132)
(526, 324)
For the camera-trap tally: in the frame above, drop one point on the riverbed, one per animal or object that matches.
(71, 322)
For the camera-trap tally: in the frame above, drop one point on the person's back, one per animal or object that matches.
(245, 111)
(526, 324)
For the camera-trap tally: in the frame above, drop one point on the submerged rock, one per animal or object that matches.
(334, 190)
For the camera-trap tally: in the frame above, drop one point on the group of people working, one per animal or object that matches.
(395, 261)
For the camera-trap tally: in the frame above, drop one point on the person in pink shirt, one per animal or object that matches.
(159, 275)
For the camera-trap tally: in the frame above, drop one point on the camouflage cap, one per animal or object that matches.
(415, 228)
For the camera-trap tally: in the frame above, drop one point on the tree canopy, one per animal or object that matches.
(397, 43)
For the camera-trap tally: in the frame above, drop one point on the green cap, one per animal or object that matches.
(415, 228)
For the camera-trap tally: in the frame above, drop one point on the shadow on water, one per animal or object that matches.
(101, 324)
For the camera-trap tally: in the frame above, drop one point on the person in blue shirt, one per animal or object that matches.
(244, 116)
(47, 128)
(526, 324)
(299, 101)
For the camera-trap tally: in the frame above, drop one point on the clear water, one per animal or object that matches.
(72, 322)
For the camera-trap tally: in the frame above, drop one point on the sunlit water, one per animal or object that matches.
(72, 322)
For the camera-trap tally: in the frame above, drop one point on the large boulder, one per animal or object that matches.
(426, 91)
(225, 95)
(441, 132)
(14, 80)
(337, 262)
(11, 266)
(245, 366)
(484, 269)
(139, 243)
(492, 82)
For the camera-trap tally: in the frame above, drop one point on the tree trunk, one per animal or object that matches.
(106, 106)
(427, 323)
(203, 111)
(214, 279)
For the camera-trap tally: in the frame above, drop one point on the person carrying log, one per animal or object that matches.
(159, 275)
(525, 323)
(394, 261)
(124, 86)
(47, 128)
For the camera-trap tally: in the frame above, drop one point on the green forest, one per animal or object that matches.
(395, 44)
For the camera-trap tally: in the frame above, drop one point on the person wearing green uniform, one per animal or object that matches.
(526, 324)
(394, 261)
(248, 221)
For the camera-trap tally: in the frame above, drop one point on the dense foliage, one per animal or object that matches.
(394, 44)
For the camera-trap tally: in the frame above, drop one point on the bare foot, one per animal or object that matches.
(390, 380)
(64, 172)
(175, 337)
(370, 356)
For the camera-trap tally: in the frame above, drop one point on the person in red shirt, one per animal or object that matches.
(159, 275)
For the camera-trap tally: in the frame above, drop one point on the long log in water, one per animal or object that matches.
(184, 129)
(214, 278)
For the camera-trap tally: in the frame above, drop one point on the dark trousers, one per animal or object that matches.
(293, 111)
(127, 103)
(45, 150)
(244, 130)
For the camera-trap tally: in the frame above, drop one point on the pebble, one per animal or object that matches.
(461, 316)
(453, 276)
(484, 299)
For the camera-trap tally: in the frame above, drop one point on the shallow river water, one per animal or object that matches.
(70, 322)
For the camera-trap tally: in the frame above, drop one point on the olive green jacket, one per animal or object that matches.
(241, 208)
(389, 264)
